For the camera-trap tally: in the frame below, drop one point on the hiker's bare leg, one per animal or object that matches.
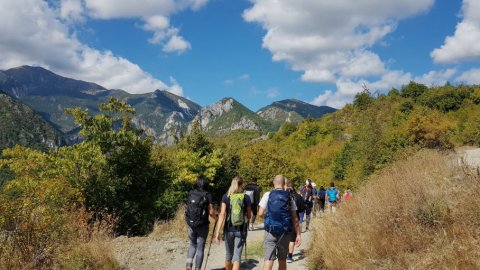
(228, 265)
(236, 265)
(268, 265)
(282, 264)
(291, 247)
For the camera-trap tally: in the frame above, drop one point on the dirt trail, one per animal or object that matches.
(148, 253)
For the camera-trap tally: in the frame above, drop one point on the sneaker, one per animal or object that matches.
(289, 259)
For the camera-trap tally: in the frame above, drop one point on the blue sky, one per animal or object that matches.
(257, 51)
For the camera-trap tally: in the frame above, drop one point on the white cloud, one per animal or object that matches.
(176, 44)
(471, 76)
(318, 76)
(156, 23)
(436, 78)
(347, 89)
(364, 64)
(463, 45)
(330, 38)
(330, 41)
(32, 33)
(154, 13)
(72, 10)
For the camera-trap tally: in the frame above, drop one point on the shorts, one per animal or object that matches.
(234, 242)
(254, 209)
(293, 237)
(276, 246)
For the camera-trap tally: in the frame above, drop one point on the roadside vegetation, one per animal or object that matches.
(55, 205)
(421, 213)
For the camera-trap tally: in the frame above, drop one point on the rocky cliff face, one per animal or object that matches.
(227, 115)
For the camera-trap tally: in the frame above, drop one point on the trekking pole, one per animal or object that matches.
(246, 233)
(211, 241)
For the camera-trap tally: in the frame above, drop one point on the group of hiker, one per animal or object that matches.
(283, 209)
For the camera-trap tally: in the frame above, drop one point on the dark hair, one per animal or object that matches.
(254, 179)
(290, 184)
(332, 184)
(202, 183)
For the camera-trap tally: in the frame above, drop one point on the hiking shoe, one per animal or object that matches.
(289, 259)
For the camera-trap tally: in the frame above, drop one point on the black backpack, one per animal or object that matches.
(196, 213)
(300, 202)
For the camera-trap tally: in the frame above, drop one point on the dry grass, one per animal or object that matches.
(423, 213)
(96, 254)
(176, 227)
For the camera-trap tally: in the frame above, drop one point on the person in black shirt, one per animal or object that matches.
(234, 235)
(198, 235)
(257, 190)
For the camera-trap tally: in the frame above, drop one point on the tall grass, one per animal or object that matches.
(175, 227)
(423, 213)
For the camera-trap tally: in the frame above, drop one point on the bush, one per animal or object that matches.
(413, 90)
(430, 129)
(446, 98)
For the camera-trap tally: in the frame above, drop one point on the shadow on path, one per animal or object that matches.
(247, 265)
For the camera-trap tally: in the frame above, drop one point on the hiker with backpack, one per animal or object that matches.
(235, 211)
(321, 198)
(253, 191)
(332, 196)
(308, 194)
(199, 207)
(314, 200)
(298, 199)
(281, 220)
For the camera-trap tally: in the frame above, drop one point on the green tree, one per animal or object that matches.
(413, 90)
(363, 99)
(129, 183)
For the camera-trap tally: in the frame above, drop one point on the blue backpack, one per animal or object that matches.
(278, 218)
(332, 195)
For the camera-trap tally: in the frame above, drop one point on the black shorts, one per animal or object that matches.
(293, 236)
(254, 209)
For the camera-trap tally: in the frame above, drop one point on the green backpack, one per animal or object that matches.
(237, 216)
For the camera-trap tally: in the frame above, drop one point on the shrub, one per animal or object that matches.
(413, 90)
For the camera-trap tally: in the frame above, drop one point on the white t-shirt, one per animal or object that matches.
(264, 202)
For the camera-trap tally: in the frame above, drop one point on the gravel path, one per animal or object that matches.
(147, 253)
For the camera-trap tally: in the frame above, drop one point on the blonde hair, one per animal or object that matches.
(235, 186)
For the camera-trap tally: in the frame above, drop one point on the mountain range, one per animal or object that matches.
(160, 113)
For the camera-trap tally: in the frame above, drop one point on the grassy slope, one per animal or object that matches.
(421, 213)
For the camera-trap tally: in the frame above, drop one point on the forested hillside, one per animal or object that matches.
(20, 125)
(120, 178)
